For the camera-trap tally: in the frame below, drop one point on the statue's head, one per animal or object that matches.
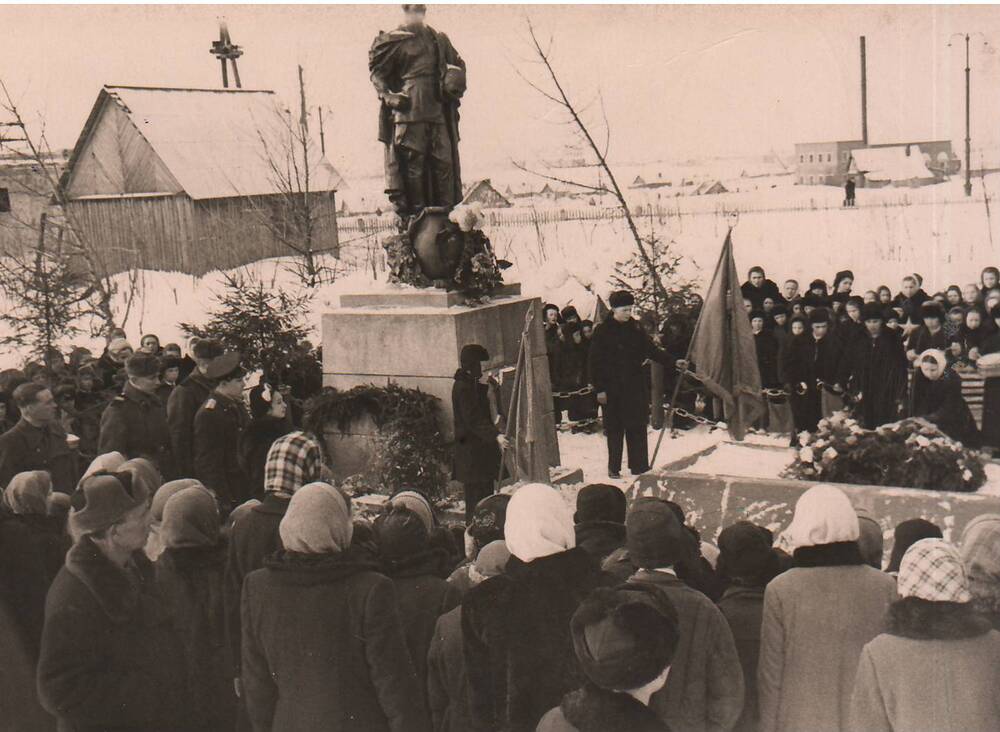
(414, 14)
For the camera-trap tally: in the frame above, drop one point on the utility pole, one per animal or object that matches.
(322, 135)
(968, 144)
(227, 51)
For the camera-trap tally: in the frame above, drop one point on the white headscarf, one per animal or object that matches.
(823, 515)
(539, 523)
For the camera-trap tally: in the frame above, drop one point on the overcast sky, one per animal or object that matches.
(677, 82)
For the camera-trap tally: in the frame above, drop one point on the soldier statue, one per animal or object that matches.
(420, 80)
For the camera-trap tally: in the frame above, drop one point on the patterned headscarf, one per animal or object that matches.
(28, 493)
(292, 461)
(932, 570)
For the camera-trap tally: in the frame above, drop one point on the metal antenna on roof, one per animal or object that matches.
(225, 50)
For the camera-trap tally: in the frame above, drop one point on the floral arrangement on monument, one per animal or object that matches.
(912, 453)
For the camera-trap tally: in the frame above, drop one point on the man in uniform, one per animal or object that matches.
(38, 441)
(135, 422)
(184, 402)
(420, 79)
(218, 425)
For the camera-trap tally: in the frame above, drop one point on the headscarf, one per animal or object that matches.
(905, 535)
(417, 503)
(154, 542)
(318, 521)
(239, 512)
(538, 523)
(492, 561)
(146, 479)
(939, 358)
(823, 515)
(190, 519)
(109, 462)
(980, 549)
(293, 461)
(28, 493)
(932, 570)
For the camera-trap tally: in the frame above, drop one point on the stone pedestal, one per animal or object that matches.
(413, 337)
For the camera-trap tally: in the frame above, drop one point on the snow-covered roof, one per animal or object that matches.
(216, 143)
(889, 164)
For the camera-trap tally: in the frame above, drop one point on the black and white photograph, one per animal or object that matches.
(499, 368)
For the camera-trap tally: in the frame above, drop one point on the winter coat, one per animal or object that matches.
(447, 681)
(356, 675)
(572, 366)
(218, 424)
(743, 609)
(421, 597)
(922, 339)
(592, 709)
(757, 295)
(190, 582)
(183, 404)
(767, 358)
(20, 710)
(816, 621)
(941, 402)
(253, 538)
(254, 443)
(110, 658)
(477, 454)
(107, 369)
(704, 690)
(991, 396)
(25, 447)
(600, 538)
(32, 550)
(617, 353)
(135, 424)
(940, 674)
(876, 370)
(910, 306)
(516, 638)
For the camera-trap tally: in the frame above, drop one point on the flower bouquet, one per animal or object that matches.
(912, 453)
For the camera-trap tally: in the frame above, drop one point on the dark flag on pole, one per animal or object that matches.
(527, 457)
(723, 350)
(601, 311)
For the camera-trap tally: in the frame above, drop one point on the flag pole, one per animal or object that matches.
(669, 423)
(518, 375)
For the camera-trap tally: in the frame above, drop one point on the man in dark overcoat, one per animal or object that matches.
(876, 373)
(184, 402)
(218, 425)
(38, 441)
(810, 358)
(477, 437)
(618, 351)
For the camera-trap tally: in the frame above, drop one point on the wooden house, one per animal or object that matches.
(194, 180)
(483, 192)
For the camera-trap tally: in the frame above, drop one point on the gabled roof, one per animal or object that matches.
(889, 164)
(216, 143)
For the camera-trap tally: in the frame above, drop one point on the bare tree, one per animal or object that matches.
(558, 95)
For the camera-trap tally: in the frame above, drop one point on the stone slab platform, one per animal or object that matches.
(714, 501)
(409, 298)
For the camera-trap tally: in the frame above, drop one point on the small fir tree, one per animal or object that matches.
(678, 294)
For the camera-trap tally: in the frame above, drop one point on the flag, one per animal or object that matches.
(601, 311)
(527, 457)
(723, 350)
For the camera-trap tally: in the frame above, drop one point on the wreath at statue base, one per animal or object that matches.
(912, 453)
(446, 248)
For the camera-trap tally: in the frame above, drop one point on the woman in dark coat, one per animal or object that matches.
(421, 595)
(515, 627)
(315, 595)
(991, 390)
(477, 440)
(940, 400)
(20, 710)
(109, 656)
(269, 421)
(189, 578)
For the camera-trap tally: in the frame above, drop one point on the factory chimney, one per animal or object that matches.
(864, 94)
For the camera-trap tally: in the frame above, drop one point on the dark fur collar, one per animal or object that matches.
(592, 709)
(913, 617)
(429, 562)
(838, 554)
(293, 568)
(116, 589)
(196, 557)
(575, 562)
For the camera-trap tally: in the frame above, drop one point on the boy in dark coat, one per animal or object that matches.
(617, 353)
(477, 439)
(705, 688)
(876, 372)
(218, 425)
(184, 402)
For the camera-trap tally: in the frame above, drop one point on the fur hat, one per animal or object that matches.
(401, 534)
(815, 301)
(569, 312)
(600, 502)
(745, 552)
(819, 316)
(754, 314)
(818, 284)
(872, 311)
(142, 365)
(620, 299)
(168, 362)
(471, 356)
(932, 309)
(207, 348)
(654, 535)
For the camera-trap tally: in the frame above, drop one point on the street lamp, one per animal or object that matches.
(968, 143)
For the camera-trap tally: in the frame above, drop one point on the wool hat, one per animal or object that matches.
(569, 312)
(932, 309)
(905, 535)
(872, 311)
(418, 503)
(754, 314)
(600, 502)
(855, 301)
(624, 638)
(317, 521)
(655, 536)
(190, 519)
(240, 511)
(815, 301)
(488, 519)
(538, 523)
(401, 534)
(492, 559)
(745, 552)
(142, 365)
(100, 501)
(779, 309)
(471, 356)
(818, 284)
(28, 493)
(932, 569)
(225, 367)
(168, 362)
(620, 299)
(207, 348)
(819, 316)
(167, 491)
(823, 515)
